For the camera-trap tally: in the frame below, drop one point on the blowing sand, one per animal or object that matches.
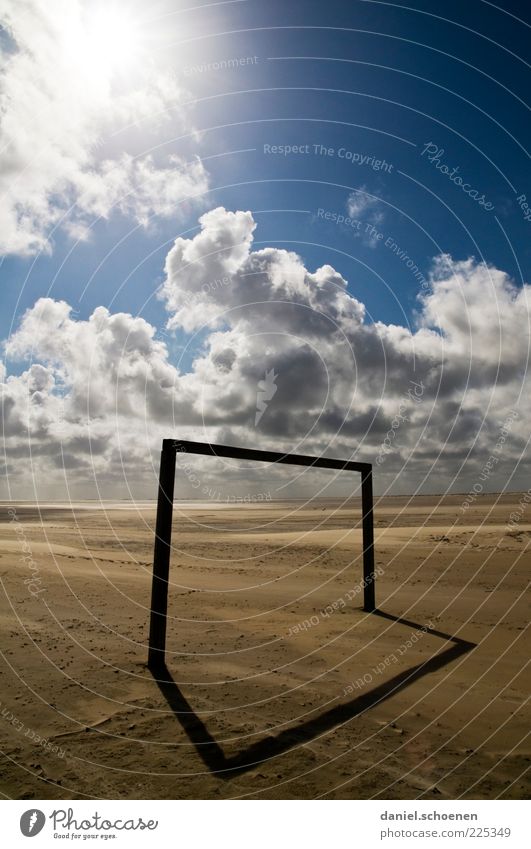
(278, 684)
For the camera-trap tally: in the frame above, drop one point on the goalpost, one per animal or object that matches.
(161, 556)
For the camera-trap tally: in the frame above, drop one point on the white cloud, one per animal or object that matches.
(340, 380)
(103, 392)
(61, 96)
(214, 277)
(360, 201)
(362, 205)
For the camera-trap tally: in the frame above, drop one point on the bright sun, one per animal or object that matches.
(109, 41)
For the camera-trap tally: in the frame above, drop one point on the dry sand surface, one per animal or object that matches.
(279, 685)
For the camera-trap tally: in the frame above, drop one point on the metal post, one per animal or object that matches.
(161, 557)
(369, 596)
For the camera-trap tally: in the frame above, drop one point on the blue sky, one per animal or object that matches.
(364, 94)
(301, 113)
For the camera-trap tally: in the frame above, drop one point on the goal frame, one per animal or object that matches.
(163, 526)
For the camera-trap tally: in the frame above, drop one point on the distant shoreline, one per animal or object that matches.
(237, 501)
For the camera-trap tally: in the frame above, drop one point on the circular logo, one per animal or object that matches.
(31, 822)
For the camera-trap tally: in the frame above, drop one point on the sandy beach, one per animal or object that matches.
(279, 685)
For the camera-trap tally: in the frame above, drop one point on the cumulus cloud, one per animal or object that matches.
(215, 277)
(340, 379)
(104, 390)
(99, 399)
(62, 94)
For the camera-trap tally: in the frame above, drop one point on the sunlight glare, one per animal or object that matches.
(111, 41)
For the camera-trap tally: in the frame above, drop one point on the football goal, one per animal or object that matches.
(163, 526)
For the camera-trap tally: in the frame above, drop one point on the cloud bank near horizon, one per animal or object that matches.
(430, 401)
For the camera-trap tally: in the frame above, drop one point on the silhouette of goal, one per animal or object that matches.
(161, 556)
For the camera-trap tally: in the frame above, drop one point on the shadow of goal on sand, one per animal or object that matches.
(268, 747)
